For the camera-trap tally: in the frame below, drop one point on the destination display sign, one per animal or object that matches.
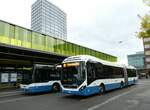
(71, 64)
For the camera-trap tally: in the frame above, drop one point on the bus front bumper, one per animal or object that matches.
(36, 89)
(85, 92)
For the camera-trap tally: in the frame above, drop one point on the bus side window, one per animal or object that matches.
(118, 72)
(98, 71)
(107, 73)
(54, 74)
(90, 72)
(131, 72)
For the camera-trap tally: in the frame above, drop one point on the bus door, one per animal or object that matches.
(125, 76)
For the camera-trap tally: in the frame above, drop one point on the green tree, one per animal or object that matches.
(147, 2)
(145, 24)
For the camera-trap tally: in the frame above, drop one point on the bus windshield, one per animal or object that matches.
(73, 74)
(44, 74)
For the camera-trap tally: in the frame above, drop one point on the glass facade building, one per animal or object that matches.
(18, 36)
(137, 60)
(48, 19)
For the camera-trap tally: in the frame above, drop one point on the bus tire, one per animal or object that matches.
(102, 89)
(121, 84)
(55, 87)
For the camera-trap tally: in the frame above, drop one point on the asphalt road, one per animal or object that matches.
(135, 97)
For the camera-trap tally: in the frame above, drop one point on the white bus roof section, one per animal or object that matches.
(94, 59)
(42, 65)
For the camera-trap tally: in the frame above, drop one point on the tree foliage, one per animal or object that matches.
(145, 24)
(145, 27)
(147, 2)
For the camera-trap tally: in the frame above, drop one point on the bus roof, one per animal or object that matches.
(42, 65)
(94, 59)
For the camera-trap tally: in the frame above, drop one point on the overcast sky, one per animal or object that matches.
(97, 24)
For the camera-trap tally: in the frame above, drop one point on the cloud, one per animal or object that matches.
(107, 24)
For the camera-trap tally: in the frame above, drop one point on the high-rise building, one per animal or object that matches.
(137, 60)
(48, 19)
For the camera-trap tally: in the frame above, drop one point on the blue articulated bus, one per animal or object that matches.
(86, 75)
(46, 78)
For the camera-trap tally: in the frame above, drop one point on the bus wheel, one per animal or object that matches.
(121, 85)
(56, 87)
(102, 89)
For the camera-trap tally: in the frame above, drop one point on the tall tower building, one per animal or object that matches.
(48, 19)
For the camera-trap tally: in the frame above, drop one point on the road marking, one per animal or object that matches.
(16, 99)
(9, 92)
(109, 100)
(7, 95)
(143, 84)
